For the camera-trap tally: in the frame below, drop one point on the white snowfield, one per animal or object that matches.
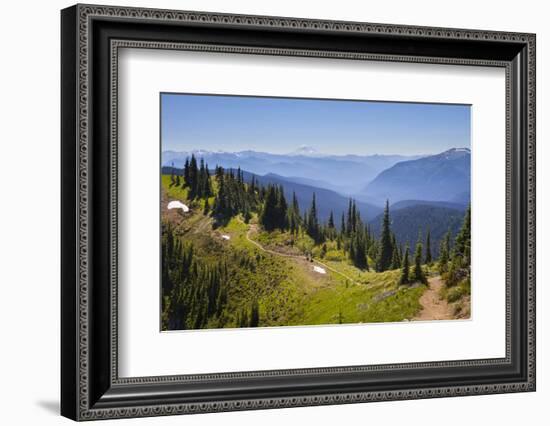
(319, 270)
(226, 237)
(177, 205)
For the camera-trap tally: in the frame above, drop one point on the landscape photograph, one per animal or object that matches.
(305, 212)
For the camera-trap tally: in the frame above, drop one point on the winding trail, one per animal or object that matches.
(433, 307)
(275, 253)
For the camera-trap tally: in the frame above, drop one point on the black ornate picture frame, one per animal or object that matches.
(90, 385)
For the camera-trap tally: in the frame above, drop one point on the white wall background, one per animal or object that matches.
(29, 212)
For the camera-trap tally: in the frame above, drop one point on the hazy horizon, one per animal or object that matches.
(280, 126)
(318, 153)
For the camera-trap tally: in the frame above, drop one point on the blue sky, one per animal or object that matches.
(282, 125)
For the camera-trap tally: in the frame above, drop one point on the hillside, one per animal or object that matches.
(271, 269)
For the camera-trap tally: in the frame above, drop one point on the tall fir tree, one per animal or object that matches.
(221, 206)
(349, 219)
(405, 269)
(313, 221)
(447, 241)
(252, 187)
(207, 192)
(193, 177)
(172, 177)
(463, 239)
(331, 220)
(353, 217)
(281, 209)
(254, 314)
(294, 215)
(219, 173)
(418, 273)
(268, 216)
(395, 261)
(428, 257)
(385, 249)
(443, 261)
(330, 229)
(186, 173)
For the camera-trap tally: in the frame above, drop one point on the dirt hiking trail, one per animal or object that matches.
(254, 229)
(433, 307)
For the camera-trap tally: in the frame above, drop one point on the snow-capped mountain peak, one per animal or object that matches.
(455, 153)
(306, 150)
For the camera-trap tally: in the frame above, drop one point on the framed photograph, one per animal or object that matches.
(263, 212)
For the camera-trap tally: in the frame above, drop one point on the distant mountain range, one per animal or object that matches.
(408, 203)
(441, 177)
(346, 174)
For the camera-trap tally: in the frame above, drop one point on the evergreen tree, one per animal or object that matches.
(330, 229)
(221, 203)
(268, 216)
(418, 274)
(205, 186)
(358, 252)
(219, 174)
(172, 178)
(447, 241)
(252, 187)
(331, 220)
(405, 270)
(349, 220)
(312, 221)
(463, 239)
(201, 180)
(244, 319)
(428, 257)
(193, 183)
(373, 250)
(281, 209)
(206, 209)
(353, 217)
(444, 253)
(395, 261)
(342, 225)
(386, 249)
(254, 314)
(294, 215)
(455, 273)
(186, 173)
(239, 175)
(295, 206)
